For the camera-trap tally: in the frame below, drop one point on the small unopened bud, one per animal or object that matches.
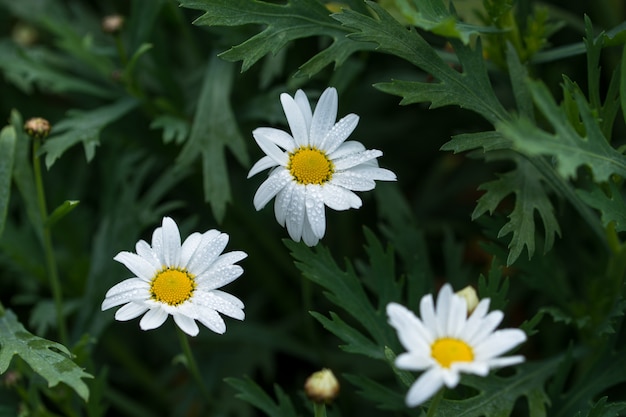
(470, 296)
(37, 127)
(322, 386)
(24, 34)
(112, 24)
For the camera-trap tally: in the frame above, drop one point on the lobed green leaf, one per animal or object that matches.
(49, 359)
(250, 392)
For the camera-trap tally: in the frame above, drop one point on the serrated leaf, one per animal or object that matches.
(83, 127)
(497, 395)
(604, 409)
(381, 395)
(49, 359)
(7, 157)
(250, 392)
(356, 341)
(488, 141)
(526, 183)
(609, 202)
(283, 23)
(569, 149)
(174, 128)
(343, 288)
(434, 16)
(215, 128)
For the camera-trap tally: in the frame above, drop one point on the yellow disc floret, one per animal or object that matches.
(172, 286)
(310, 166)
(447, 350)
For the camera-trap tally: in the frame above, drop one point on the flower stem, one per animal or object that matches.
(51, 265)
(434, 403)
(192, 366)
(319, 409)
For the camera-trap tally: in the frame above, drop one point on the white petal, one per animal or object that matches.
(352, 181)
(346, 148)
(137, 265)
(189, 248)
(229, 297)
(484, 327)
(499, 342)
(127, 285)
(339, 198)
(154, 318)
(157, 244)
(273, 151)
(324, 117)
(505, 361)
(354, 159)
(308, 236)
(295, 118)
(475, 367)
(171, 242)
(277, 136)
(210, 248)
(413, 361)
(457, 316)
(305, 107)
(425, 387)
(145, 251)
(261, 165)
(270, 187)
(444, 305)
(411, 331)
(186, 324)
(340, 132)
(374, 172)
(451, 377)
(130, 311)
(283, 199)
(219, 303)
(428, 316)
(229, 258)
(295, 213)
(212, 320)
(218, 277)
(315, 210)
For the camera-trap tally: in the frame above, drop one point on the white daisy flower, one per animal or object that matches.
(446, 341)
(314, 166)
(178, 280)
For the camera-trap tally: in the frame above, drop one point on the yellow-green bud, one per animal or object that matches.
(322, 386)
(37, 127)
(112, 24)
(470, 296)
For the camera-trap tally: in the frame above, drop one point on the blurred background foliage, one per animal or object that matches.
(148, 121)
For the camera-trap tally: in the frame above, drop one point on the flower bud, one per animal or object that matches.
(112, 24)
(37, 127)
(471, 298)
(322, 386)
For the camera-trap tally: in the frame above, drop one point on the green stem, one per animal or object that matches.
(319, 409)
(193, 366)
(434, 403)
(51, 265)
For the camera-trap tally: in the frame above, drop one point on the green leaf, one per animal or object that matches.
(174, 128)
(49, 359)
(45, 69)
(356, 341)
(622, 83)
(379, 394)
(60, 212)
(283, 23)
(610, 202)
(604, 409)
(250, 392)
(434, 16)
(83, 126)
(530, 196)
(497, 395)
(7, 156)
(215, 128)
(469, 89)
(568, 148)
(343, 288)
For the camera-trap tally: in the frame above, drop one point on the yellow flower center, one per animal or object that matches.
(447, 350)
(310, 166)
(172, 286)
